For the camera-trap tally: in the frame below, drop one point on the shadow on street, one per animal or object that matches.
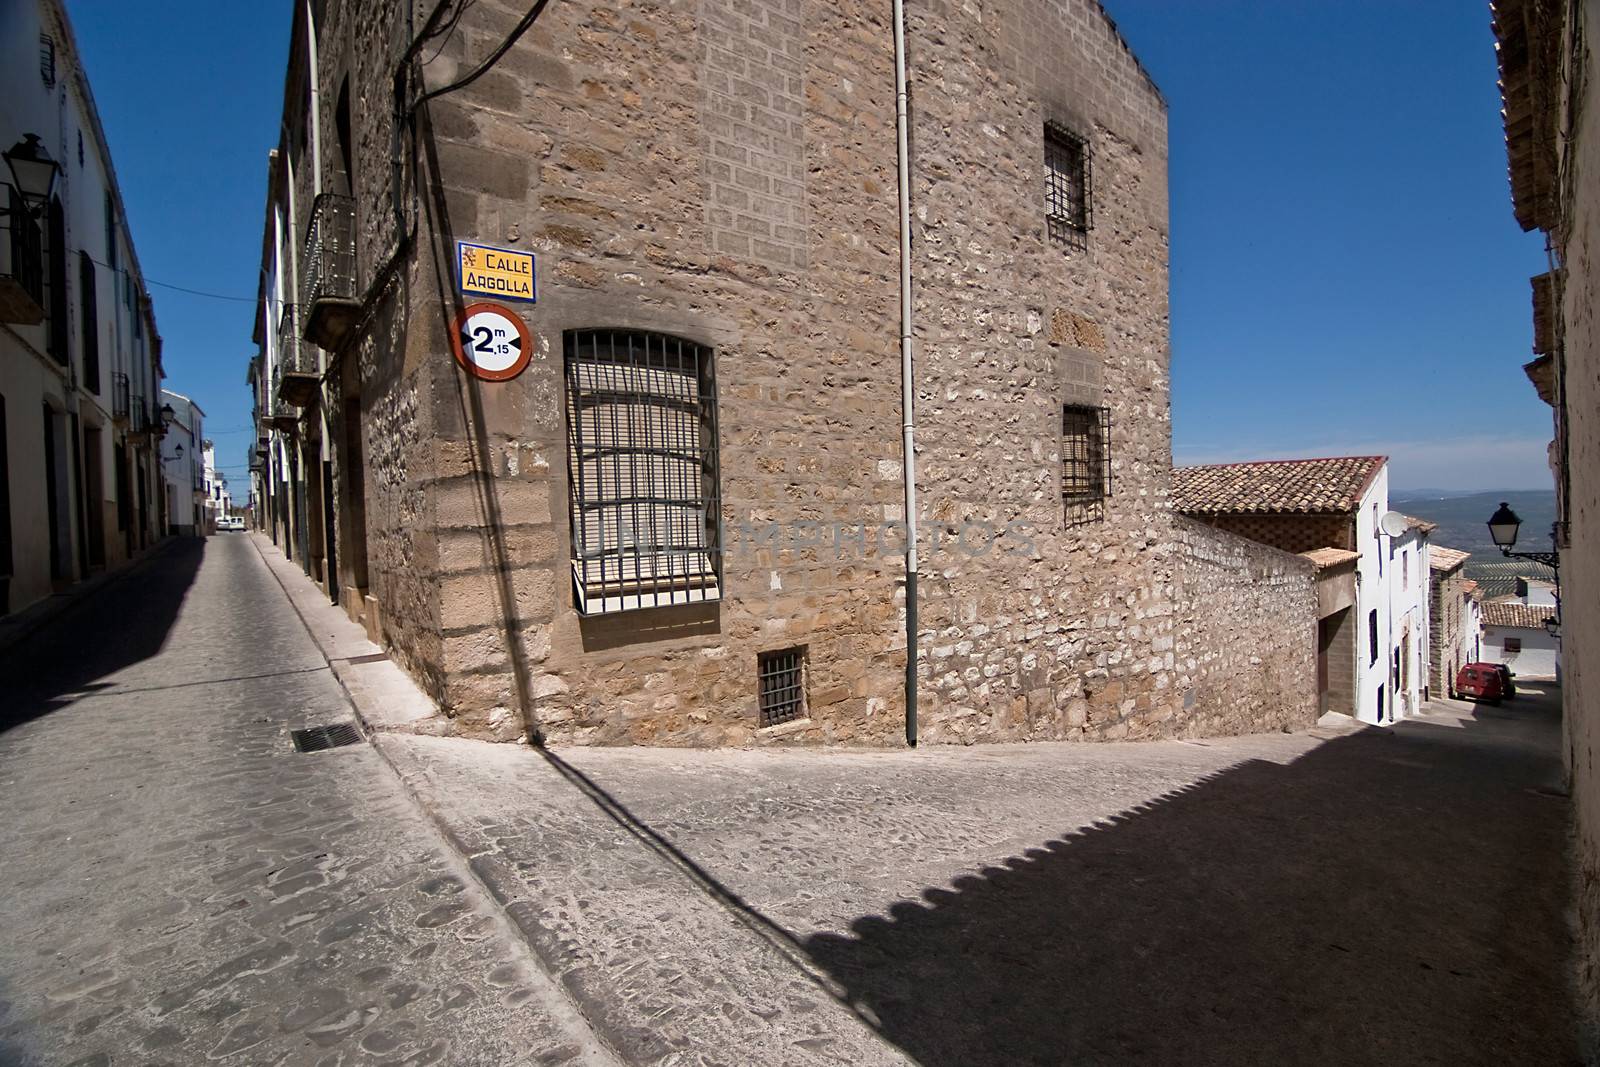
(132, 619)
(1386, 898)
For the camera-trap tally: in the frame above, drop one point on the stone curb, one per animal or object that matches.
(621, 1041)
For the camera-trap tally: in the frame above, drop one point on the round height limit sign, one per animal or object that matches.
(491, 342)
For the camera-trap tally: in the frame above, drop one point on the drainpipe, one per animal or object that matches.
(313, 76)
(907, 381)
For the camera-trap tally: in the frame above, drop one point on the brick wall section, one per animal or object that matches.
(1246, 635)
(752, 116)
(608, 142)
(1292, 533)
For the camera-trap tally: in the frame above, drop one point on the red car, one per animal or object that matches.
(1489, 682)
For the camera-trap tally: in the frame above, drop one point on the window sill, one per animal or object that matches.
(783, 729)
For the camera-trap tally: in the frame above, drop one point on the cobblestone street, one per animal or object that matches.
(177, 885)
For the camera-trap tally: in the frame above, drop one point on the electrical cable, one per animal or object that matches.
(483, 68)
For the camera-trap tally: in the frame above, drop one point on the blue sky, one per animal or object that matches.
(189, 93)
(1346, 273)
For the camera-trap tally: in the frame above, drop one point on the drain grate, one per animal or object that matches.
(317, 738)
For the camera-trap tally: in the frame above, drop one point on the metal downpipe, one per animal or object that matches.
(907, 380)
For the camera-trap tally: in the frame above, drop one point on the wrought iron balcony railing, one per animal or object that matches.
(329, 282)
(21, 264)
(285, 416)
(298, 373)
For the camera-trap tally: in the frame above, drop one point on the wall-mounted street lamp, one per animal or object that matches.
(1552, 626)
(1503, 527)
(167, 414)
(33, 172)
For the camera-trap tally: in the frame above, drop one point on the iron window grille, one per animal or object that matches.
(642, 473)
(781, 686)
(1085, 463)
(47, 60)
(1068, 207)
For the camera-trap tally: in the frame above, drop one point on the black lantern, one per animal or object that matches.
(32, 170)
(167, 414)
(1552, 626)
(1503, 526)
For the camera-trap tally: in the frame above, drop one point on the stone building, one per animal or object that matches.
(80, 360)
(684, 521)
(1453, 637)
(1550, 85)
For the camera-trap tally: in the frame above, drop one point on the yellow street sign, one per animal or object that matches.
(503, 273)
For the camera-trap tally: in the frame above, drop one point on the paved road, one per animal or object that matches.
(1370, 897)
(177, 885)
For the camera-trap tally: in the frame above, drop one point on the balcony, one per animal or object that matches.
(329, 284)
(121, 398)
(285, 416)
(298, 374)
(21, 264)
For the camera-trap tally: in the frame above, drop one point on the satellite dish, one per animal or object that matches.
(1394, 524)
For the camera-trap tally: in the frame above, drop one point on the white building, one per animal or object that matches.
(1373, 625)
(1514, 632)
(182, 464)
(219, 504)
(80, 363)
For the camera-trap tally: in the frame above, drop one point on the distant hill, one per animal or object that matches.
(1463, 522)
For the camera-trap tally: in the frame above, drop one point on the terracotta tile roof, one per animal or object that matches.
(1420, 524)
(1302, 486)
(1444, 560)
(1515, 614)
(1470, 588)
(1330, 557)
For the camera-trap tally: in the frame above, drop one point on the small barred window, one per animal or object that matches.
(781, 679)
(1067, 194)
(1085, 463)
(47, 59)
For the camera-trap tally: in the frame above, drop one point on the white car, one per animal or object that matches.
(229, 522)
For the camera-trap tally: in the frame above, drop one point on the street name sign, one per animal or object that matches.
(502, 273)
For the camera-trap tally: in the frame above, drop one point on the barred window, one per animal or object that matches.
(641, 470)
(1085, 463)
(1067, 193)
(781, 678)
(47, 59)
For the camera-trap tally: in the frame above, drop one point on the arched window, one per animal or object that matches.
(641, 470)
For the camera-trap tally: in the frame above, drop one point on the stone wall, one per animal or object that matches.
(1447, 618)
(1060, 631)
(726, 174)
(1247, 634)
(1580, 559)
